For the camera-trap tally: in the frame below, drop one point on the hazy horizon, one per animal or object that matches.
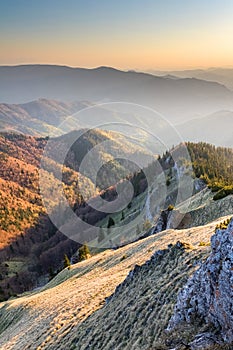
(136, 69)
(151, 35)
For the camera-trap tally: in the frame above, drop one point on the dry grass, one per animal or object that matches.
(70, 312)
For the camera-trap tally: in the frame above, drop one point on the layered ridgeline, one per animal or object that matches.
(33, 249)
(221, 75)
(44, 117)
(125, 298)
(41, 117)
(177, 99)
(214, 128)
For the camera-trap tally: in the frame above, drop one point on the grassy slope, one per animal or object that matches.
(204, 209)
(56, 317)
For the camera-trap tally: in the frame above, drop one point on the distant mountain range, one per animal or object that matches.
(221, 75)
(42, 117)
(215, 128)
(177, 99)
(45, 117)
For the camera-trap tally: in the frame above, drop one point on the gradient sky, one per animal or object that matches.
(127, 34)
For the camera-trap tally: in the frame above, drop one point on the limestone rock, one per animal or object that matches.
(203, 341)
(208, 295)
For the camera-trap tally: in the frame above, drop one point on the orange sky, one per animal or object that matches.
(133, 35)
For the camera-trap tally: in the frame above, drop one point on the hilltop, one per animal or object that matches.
(81, 307)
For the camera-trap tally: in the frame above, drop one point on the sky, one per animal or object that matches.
(126, 34)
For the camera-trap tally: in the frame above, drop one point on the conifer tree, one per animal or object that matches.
(66, 261)
(84, 252)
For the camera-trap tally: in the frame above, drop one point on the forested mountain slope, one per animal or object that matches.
(31, 246)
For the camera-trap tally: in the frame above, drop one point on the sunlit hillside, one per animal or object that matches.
(72, 312)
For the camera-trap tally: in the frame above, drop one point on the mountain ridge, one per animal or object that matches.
(218, 74)
(71, 320)
(24, 83)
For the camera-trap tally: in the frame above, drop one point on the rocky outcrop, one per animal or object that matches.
(170, 219)
(208, 295)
